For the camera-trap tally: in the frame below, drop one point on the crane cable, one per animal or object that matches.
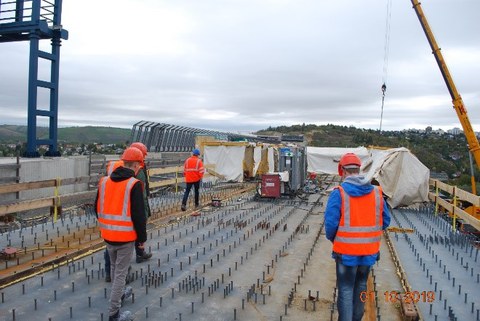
(385, 57)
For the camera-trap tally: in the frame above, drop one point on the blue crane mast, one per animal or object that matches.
(35, 20)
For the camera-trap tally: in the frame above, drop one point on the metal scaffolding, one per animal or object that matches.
(160, 137)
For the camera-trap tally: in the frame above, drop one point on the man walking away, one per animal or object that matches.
(121, 218)
(355, 216)
(142, 175)
(193, 172)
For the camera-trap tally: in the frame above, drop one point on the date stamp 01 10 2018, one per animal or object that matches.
(398, 297)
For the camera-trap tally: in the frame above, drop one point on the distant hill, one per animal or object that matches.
(108, 135)
(439, 152)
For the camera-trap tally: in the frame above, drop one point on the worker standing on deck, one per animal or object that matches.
(355, 216)
(121, 216)
(193, 172)
(142, 175)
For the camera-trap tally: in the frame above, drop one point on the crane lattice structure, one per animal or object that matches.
(35, 20)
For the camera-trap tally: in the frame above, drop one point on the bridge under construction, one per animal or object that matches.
(250, 252)
(242, 257)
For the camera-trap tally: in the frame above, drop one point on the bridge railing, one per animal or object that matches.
(454, 204)
(14, 11)
(159, 177)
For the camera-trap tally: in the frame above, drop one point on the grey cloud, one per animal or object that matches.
(255, 64)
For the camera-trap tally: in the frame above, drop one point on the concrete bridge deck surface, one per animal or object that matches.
(247, 260)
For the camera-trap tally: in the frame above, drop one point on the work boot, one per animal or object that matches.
(108, 278)
(127, 293)
(144, 257)
(121, 316)
(184, 208)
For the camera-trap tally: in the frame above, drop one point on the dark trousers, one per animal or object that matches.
(106, 256)
(138, 251)
(196, 185)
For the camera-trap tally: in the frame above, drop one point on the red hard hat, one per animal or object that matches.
(140, 146)
(347, 160)
(132, 154)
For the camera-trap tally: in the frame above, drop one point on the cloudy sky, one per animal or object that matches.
(244, 65)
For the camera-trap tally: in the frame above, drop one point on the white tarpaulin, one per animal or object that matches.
(404, 179)
(257, 158)
(325, 159)
(227, 161)
(271, 160)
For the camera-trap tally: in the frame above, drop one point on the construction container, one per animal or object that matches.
(270, 185)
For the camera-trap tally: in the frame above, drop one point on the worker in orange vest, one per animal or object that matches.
(121, 217)
(355, 216)
(142, 175)
(192, 172)
(113, 165)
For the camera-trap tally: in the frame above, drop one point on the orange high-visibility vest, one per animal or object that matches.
(113, 209)
(361, 221)
(193, 169)
(113, 165)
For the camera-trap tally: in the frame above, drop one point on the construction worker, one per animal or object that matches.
(192, 172)
(355, 216)
(113, 165)
(141, 254)
(142, 175)
(121, 216)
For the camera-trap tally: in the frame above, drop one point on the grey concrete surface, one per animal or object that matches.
(247, 260)
(442, 266)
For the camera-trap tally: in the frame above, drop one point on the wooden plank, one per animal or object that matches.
(19, 206)
(25, 205)
(460, 193)
(17, 187)
(214, 173)
(467, 218)
(165, 170)
(469, 197)
(166, 182)
(442, 186)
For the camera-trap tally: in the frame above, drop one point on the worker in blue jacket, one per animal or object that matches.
(355, 216)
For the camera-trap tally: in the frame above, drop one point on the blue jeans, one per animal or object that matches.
(196, 185)
(351, 281)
